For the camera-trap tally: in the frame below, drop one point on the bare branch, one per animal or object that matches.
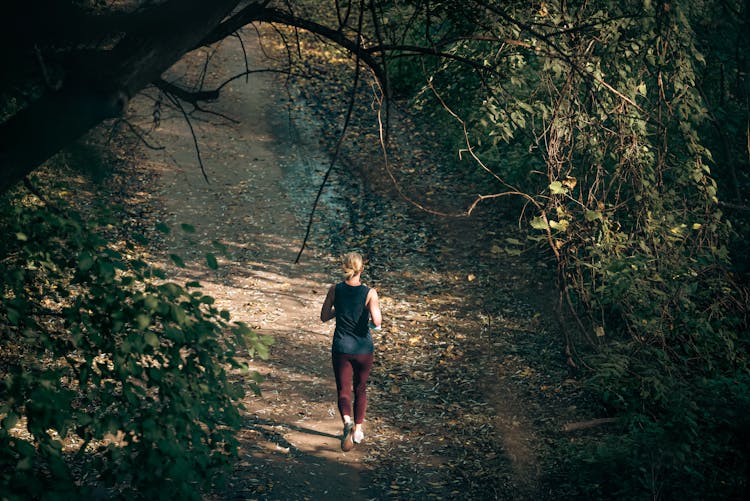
(470, 147)
(349, 111)
(245, 73)
(214, 113)
(141, 137)
(177, 103)
(98, 89)
(244, 55)
(254, 13)
(184, 94)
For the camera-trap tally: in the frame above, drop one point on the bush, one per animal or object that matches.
(111, 376)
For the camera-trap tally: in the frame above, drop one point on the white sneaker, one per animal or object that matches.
(358, 436)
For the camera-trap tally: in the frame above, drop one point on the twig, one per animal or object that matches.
(248, 72)
(177, 103)
(481, 198)
(244, 55)
(385, 85)
(215, 113)
(204, 70)
(259, 38)
(186, 95)
(139, 135)
(382, 133)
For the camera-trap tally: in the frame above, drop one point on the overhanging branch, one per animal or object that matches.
(188, 96)
(259, 13)
(100, 89)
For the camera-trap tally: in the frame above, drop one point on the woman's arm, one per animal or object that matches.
(373, 304)
(327, 312)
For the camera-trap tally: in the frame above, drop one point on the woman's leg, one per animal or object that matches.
(362, 365)
(342, 369)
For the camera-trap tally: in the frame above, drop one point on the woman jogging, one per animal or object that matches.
(352, 304)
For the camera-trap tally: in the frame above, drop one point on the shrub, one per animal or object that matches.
(100, 352)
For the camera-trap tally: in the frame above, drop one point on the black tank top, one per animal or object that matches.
(352, 334)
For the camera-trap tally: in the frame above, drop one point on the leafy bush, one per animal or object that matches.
(111, 376)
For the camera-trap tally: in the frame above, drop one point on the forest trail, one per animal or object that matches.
(454, 394)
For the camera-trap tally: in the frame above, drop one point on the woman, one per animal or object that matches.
(352, 304)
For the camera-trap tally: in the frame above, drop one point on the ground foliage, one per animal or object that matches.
(114, 379)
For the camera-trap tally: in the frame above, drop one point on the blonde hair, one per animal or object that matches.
(352, 264)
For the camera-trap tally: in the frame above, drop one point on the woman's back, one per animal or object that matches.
(352, 334)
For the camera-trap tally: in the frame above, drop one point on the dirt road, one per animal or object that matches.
(448, 414)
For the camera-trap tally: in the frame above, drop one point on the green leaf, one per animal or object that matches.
(178, 314)
(538, 223)
(267, 339)
(25, 464)
(151, 302)
(220, 246)
(21, 236)
(211, 260)
(557, 188)
(10, 421)
(85, 262)
(592, 215)
(142, 320)
(14, 316)
(151, 339)
(163, 228)
(259, 350)
(106, 270)
(187, 228)
(177, 260)
(140, 239)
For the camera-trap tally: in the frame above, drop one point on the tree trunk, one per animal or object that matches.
(101, 86)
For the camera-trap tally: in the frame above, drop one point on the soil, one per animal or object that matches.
(470, 389)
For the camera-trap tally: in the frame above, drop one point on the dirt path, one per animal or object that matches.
(290, 446)
(449, 417)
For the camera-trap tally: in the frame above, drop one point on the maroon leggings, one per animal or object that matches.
(352, 371)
